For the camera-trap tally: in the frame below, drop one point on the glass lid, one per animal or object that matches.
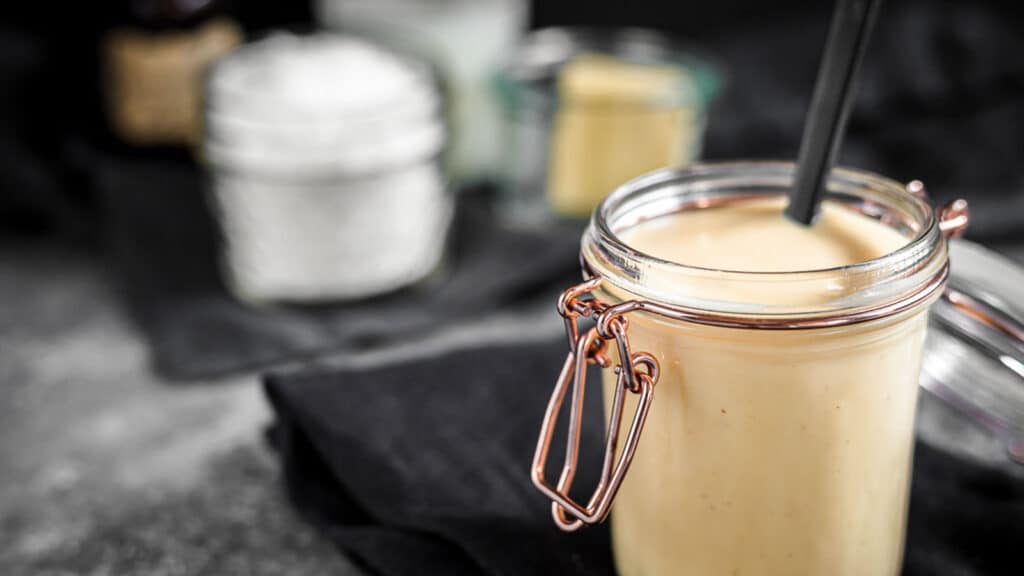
(974, 355)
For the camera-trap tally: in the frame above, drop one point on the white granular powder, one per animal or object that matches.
(325, 155)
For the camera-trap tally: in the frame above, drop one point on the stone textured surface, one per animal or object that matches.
(106, 470)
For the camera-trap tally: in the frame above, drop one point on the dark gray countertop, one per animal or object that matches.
(106, 469)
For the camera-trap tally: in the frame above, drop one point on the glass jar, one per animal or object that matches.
(326, 157)
(781, 438)
(154, 66)
(588, 109)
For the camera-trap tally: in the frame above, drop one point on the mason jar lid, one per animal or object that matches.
(974, 354)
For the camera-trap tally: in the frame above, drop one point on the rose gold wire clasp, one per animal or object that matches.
(637, 373)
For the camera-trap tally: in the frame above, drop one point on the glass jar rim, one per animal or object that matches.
(698, 186)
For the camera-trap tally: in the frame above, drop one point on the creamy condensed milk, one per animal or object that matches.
(770, 452)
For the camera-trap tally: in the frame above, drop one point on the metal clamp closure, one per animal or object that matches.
(637, 373)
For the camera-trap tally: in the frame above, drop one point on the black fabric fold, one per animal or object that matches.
(425, 471)
(421, 467)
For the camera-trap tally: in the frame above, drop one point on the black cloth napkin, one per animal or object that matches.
(165, 247)
(421, 467)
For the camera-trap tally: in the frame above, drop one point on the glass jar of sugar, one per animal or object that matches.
(762, 375)
(325, 156)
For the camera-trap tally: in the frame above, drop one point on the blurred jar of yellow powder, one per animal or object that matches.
(616, 120)
(588, 109)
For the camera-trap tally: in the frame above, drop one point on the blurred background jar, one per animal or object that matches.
(153, 67)
(466, 40)
(325, 156)
(588, 109)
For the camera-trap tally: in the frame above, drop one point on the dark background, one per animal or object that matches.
(940, 99)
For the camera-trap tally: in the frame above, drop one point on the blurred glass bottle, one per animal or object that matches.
(467, 40)
(153, 66)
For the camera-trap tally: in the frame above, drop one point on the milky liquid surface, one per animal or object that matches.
(755, 237)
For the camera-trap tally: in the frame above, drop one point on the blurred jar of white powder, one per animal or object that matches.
(325, 164)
